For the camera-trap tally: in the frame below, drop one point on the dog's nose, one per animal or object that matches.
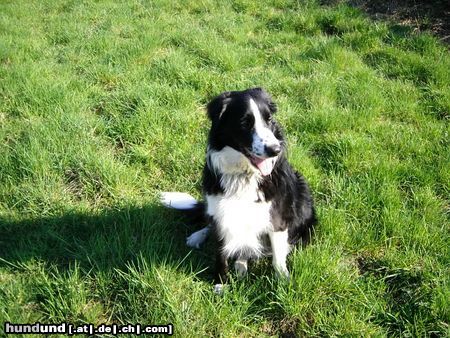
(272, 150)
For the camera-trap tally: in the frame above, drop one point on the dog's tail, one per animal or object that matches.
(194, 210)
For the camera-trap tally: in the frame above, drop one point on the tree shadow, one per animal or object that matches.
(417, 15)
(111, 239)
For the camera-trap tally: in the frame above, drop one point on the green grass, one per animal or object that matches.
(102, 107)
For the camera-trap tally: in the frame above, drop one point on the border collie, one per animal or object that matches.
(256, 204)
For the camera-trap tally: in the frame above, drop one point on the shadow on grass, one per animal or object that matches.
(104, 241)
(415, 15)
(408, 296)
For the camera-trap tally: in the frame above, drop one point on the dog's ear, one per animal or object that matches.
(261, 94)
(217, 106)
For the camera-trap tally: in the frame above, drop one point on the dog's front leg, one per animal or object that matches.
(221, 273)
(280, 250)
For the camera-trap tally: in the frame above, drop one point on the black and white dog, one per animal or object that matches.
(253, 197)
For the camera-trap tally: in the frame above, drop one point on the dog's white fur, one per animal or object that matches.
(262, 135)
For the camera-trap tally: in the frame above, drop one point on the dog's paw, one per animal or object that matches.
(178, 200)
(240, 266)
(219, 289)
(197, 238)
(283, 274)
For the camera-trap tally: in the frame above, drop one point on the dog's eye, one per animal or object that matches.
(247, 122)
(270, 120)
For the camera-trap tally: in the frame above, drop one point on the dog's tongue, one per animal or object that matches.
(265, 165)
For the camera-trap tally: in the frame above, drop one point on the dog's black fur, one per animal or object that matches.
(292, 203)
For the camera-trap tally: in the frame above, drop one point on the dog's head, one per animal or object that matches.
(243, 120)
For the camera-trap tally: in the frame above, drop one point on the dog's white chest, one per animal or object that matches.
(241, 220)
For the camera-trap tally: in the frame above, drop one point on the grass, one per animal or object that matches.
(102, 107)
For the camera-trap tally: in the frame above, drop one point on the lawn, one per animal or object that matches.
(102, 107)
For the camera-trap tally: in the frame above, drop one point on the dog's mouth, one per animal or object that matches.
(264, 165)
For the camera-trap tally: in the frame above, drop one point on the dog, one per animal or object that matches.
(255, 203)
